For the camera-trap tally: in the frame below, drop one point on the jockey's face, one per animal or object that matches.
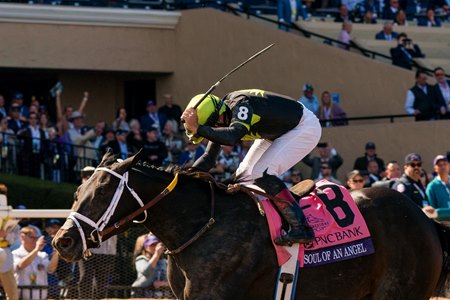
(221, 121)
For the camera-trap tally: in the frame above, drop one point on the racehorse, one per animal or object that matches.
(220, 247)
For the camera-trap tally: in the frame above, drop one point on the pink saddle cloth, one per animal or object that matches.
(340, 230)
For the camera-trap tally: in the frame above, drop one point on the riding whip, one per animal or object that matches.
(228, 74)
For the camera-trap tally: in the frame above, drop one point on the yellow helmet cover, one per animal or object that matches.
(208, 112)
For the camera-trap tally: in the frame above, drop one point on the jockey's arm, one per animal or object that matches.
(208, 160)
(223, 135)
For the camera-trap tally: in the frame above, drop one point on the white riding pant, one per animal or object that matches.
(283, 153)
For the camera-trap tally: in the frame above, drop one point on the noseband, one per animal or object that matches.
(99, 227)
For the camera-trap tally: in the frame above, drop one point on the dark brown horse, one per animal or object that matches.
(234, 258)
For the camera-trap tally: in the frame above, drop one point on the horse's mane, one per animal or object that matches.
(170, 169)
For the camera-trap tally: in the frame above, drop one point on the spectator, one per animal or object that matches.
(63, 274)
(228, 161)
(325, 173)
(44, 123)
(326, 154)
(429, 20)
(64, 122)
(392, 174)
(344, 37)
(421, 100)
(32, 265)
(442, 92)
(391, 11)
(329, 112)
(173, 142)
(171, 110)
(190, 154)
(3, 110)
(9, 233)
(24, 111)
(387, 34)
(369, 155)
(289, 12)
(151, 268)
(373, 173)
(99, 138)
(110, 136)
(400, 18)
(438, 190)
(153, 119)
(33, 149)
(355, 181)
(135, 137)
(309, 100)
(120, 146)
(369, 18)
(403, 54)
(409, 183)
(373, 6)
(121, 120)
(15, 123)
(154, 150)
(343, 15)
(8, 142)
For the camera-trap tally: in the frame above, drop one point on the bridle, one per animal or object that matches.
(99, 230)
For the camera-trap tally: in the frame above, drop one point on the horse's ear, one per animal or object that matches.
(108, 158)
(137, 157)
(130, 162)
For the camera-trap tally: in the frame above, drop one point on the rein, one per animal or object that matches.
(99, 230)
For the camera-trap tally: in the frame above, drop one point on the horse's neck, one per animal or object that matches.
(179, 215)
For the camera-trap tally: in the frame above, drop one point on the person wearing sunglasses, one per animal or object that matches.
(442, 92)
(409, 183)
(355, 180)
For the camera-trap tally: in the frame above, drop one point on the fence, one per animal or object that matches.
(117, 270)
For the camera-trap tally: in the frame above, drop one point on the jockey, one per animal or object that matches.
(284, 132)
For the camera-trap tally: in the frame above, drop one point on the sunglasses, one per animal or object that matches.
(358, 180)
(325, 168)
(439, 74)
(414, 165)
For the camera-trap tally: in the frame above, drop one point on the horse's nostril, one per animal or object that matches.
(65, 242)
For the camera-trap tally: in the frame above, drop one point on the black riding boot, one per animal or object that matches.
(299, 231)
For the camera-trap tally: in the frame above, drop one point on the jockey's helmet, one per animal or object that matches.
(208, 112)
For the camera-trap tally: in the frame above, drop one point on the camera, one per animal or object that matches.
(407, 41)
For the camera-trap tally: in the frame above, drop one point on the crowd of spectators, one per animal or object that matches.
(429, 13)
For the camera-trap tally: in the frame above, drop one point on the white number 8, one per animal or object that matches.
(243, 113)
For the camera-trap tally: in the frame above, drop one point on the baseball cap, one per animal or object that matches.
(370, 145)
(438, 158)
(307, 87)
(412, 157)
(151, 102)
(52, 222)
(150, 240)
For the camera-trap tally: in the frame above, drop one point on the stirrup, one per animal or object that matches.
(287, 240)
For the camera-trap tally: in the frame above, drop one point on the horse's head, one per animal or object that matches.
(95, 203)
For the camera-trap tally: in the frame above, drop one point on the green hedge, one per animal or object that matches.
(38, 194)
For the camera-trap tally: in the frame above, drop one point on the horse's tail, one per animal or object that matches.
(444, 237)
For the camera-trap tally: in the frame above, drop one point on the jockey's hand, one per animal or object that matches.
(190, 120)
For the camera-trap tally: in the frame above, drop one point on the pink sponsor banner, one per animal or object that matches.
(340, 230)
